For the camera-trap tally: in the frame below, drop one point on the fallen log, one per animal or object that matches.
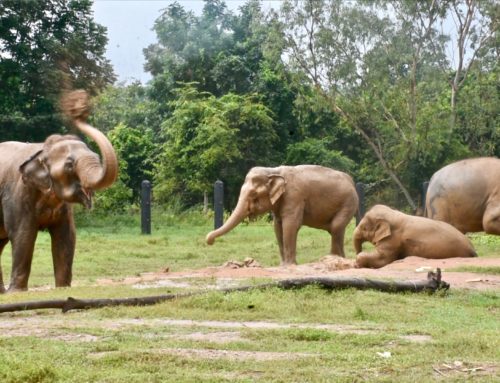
(432, 284)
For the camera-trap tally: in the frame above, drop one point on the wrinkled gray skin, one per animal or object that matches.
(309, 195)
(38, 183)
(466, 194)
(397, 235)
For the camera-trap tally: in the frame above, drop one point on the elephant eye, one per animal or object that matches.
(68, 165)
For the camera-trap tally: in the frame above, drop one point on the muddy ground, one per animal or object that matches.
(411, 268)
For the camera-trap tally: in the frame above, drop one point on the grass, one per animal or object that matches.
(317, 336)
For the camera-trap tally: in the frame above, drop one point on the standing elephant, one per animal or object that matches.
(466, 194)
(309, 195)
(397, 235)
(38, 181)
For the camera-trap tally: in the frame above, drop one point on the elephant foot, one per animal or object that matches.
(335, 255)
(288, 263)
(16, 289)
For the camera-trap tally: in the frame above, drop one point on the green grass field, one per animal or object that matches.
(307, 335)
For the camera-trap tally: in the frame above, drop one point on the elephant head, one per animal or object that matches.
(66, 167)
(260, 192)
(374, 227)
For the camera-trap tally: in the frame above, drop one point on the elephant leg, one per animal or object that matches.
(337, 231)
(63, 239)
(3, 242)
(491, 219)
(23, 245)
(278, 231)
(290, 232)
(374, 260)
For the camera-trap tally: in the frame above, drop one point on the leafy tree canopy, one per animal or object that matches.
(209, 138)
(46, 47)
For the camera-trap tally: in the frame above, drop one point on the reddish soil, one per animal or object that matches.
(411, 268)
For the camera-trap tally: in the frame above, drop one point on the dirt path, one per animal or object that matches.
(411, 268)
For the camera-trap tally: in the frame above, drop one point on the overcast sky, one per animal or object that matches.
(129, 24)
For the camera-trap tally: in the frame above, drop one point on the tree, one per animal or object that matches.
(137, 148)
(476, 24)
(209, 138)
(377, 63)
(46, 47)
(188, 48)
(329, 42)
(478, 120)
(129, 105)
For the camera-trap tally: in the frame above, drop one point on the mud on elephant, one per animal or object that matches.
(38, 181)
(309, 195)
(466, 194)
(397, 235)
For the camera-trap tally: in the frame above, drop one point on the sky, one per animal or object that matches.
(129, 24)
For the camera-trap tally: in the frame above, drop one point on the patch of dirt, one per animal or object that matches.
(410, 268)
(235, 355)
(215, 337)
(465, 369)
(202, 353)
(417, 338)
(68, 329)
(42, 329)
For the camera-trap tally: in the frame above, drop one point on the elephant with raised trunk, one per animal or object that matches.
(309, 195)
(38, 183)
(466, 194)
(397, 235)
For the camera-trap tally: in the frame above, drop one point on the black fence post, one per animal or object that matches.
(425, 186)
(146, 207)
(360, 189)
(218, 204)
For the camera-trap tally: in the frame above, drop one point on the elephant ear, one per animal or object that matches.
(277, 188)
(35, 172)
(382, 230)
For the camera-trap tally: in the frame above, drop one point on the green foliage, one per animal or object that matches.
(318, 152)
(116, 198)
(478, 115)
(137, 149)
(380, 65)
(129, 105)
(45, 47)
(208, 138)
(362, 86)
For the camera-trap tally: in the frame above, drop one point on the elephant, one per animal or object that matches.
(397, 235)
(311, 195)
(38, 184)
(466, 194)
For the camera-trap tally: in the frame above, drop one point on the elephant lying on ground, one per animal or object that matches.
(309, 195)
(397, 235)
(466, 194)
(38, 182)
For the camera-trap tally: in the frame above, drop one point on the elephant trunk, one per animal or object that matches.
(239, 214)
(358, 239)
(92, 173)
